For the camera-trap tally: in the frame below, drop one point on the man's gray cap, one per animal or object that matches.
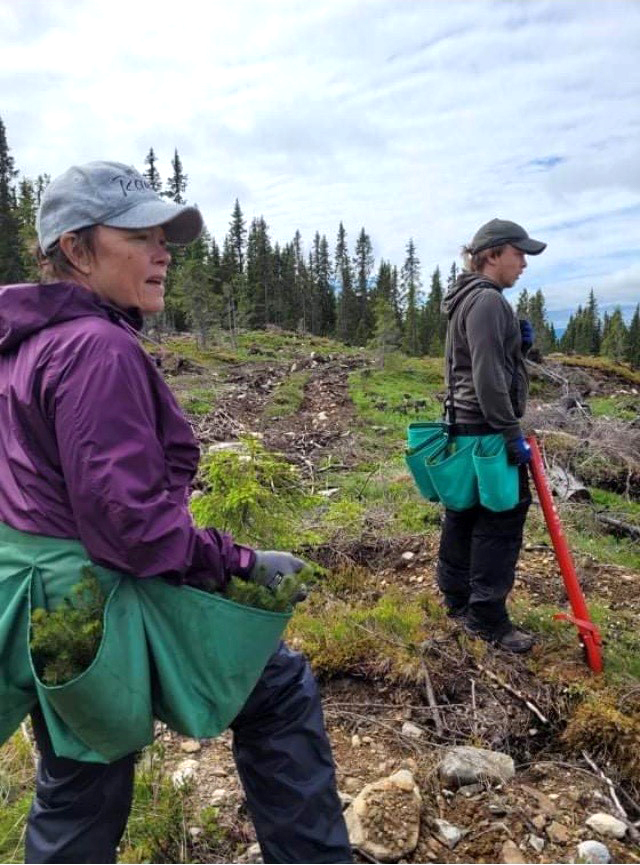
(500, 231)
(113, 194)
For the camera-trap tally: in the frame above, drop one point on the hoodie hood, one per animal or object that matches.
(462, 287)
(30, 308)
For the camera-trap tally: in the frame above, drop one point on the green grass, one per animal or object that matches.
(388, 399)
(620, 407)
(623, 371)
(16, 791)
(288, 396)
(198, 401)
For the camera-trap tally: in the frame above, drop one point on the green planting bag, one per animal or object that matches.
(208, 653)
(184, 656)
(424, 440)
(105, 712)
(452, 474)
(498, 480)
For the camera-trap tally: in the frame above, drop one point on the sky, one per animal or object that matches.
(412, 119)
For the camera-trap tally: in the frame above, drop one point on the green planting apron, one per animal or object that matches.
(461, 471)
(178, 654)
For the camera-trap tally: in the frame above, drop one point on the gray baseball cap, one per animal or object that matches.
(113, 194)
(500, 231)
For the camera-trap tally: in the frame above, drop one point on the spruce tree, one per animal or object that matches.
(152, 175)
(260, 272)
(410, 282)
(347, 302)
(323, 285)
(363, 264)
(12, 253)
(632, 353)
(435, 322)
(26, 215)
(614, 337)
(237, 238)
(177, 183)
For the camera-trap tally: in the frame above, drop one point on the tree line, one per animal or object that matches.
(246, 280)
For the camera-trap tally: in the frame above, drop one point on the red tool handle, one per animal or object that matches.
(589, 634)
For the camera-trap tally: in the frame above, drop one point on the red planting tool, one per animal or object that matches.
(588, 632)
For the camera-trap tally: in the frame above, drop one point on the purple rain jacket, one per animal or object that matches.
(93, 445)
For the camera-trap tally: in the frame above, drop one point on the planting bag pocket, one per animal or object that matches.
(424, 440)
(498, 480)
(17, 695)
(105, 712)
(453, 476)
(207, 654)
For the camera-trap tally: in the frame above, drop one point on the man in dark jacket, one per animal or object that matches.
(488, 384)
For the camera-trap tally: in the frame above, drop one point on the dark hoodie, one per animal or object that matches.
(93, 445)
(490, 382)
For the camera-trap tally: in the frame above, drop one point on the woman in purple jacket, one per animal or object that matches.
(94, 448)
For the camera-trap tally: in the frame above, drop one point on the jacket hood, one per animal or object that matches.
(30, 308)
(462, 287)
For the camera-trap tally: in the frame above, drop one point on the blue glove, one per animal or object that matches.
(518, 451)
(527, 334)
(271, 567)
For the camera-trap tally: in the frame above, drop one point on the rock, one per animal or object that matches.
(216, 448)
(367, 740)
(184, 772)
(605, 824)
(345, 799)
(356, 742)
(219, 772)
(218, 796)
(472, 790)
(511, 854)
(190, 746)
(408, 556)
(411, 730)
(447, 833)
(253, 854)
(195, 832)
(593, 851)
(536, 842)
(557, 833)
(539, 821)
(465, 765)
(351, 785)
(384, 819)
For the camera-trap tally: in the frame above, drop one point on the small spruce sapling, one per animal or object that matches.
(65, 641)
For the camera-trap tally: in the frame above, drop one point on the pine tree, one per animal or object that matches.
(12, 254)
(177, 183)
(152, 175)
(410, 282)
(26, 216)
(632, 354)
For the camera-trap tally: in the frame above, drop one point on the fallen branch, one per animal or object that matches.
(514, 692)
(437, 720)
(633, 832)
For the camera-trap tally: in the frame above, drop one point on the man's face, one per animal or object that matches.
(507, 268)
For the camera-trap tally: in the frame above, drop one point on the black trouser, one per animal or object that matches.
(476, 568)
(283, 756)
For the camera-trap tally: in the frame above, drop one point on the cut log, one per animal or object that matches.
(566, 486)
(619, 527)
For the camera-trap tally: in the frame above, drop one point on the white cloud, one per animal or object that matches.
(419, 119)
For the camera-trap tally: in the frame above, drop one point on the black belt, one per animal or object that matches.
(472, 429)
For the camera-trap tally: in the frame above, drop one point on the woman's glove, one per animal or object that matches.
(518, 451)
(527, 334)
(272, 566)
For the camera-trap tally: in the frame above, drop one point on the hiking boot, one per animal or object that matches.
(515, 641)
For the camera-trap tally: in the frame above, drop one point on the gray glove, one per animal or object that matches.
(272, 566)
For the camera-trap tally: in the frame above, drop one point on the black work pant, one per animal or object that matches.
(479, 549)
(283, 757)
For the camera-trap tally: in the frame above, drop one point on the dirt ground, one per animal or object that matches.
(482, 701)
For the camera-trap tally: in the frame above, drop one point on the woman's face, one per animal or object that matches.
(128, 267)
